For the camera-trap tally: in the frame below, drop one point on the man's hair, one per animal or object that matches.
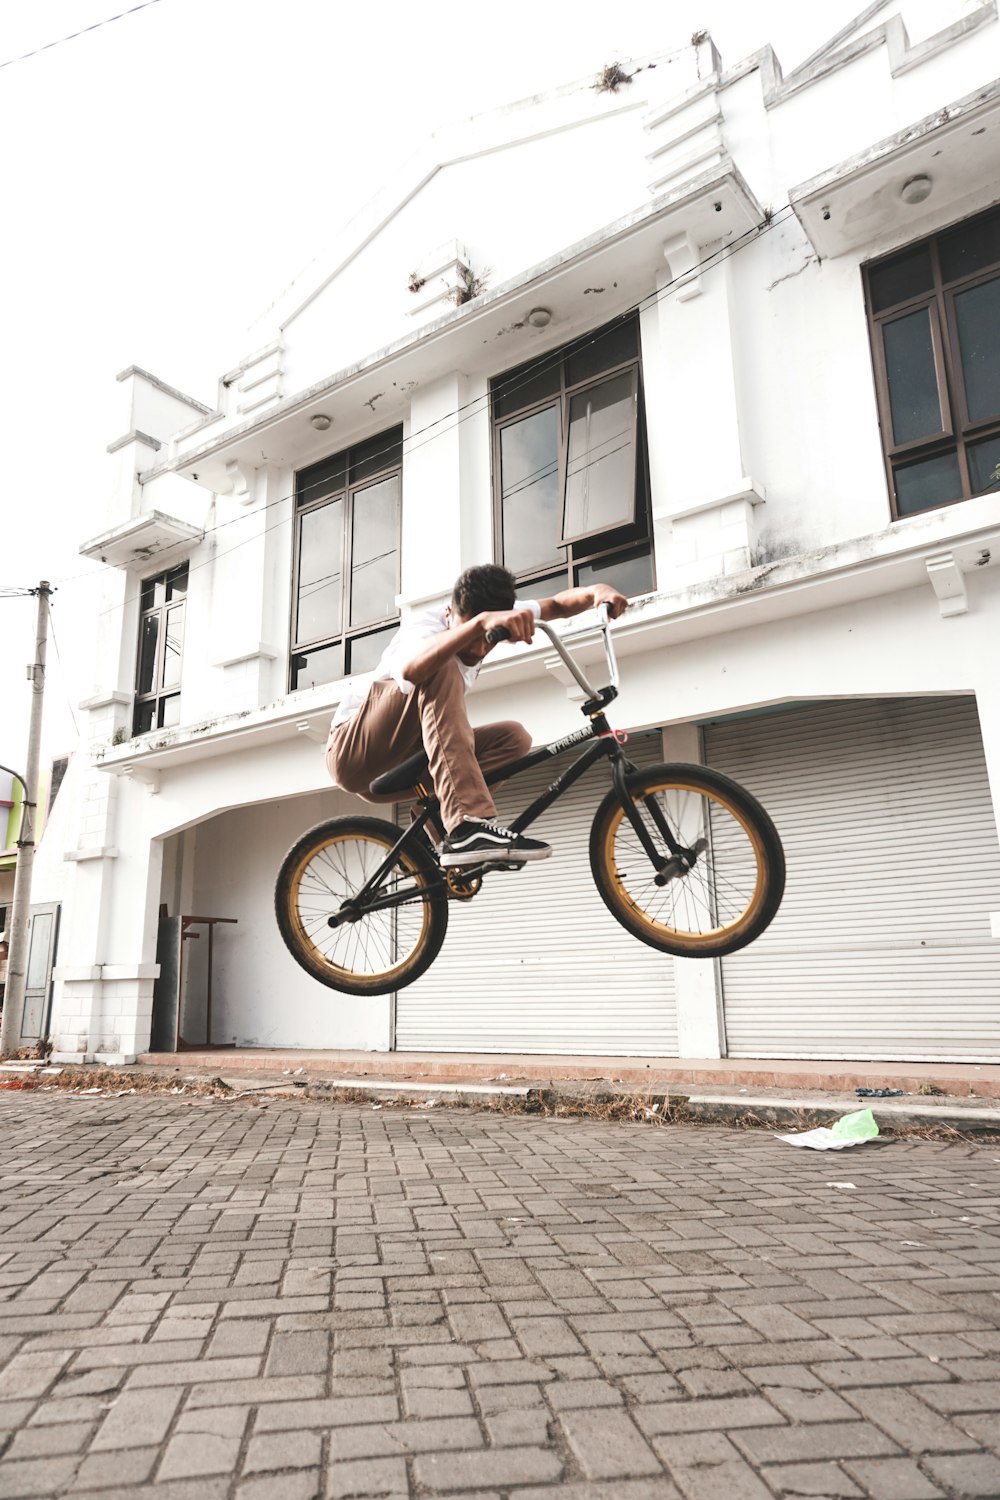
(486, 586)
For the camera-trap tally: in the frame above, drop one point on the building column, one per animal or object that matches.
(703, 501)
(432, 494)
(697, 981)
(988, 706)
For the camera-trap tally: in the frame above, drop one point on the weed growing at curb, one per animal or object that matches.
(645, 1108)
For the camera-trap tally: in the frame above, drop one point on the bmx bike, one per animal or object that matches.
(682, 856)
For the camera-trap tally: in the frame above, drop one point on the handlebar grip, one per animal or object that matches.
(498, 634)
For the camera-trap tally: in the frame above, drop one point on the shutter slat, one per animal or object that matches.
(882, 948)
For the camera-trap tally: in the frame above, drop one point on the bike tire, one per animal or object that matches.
(381, 952)
(726, 899)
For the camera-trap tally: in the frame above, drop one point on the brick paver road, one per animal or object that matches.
(206, 1299)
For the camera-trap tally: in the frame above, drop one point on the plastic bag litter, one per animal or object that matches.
(849, 1130)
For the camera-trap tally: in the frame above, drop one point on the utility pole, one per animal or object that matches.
(17, 954)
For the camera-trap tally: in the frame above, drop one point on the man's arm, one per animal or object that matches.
(571, 602)
(467, 635)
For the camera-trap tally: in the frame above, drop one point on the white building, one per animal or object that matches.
(796, 281)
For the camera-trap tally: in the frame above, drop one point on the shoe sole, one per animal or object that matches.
(499, 857)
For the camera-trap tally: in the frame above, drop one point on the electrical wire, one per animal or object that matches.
(62, 669)
(36, 51)
(473, 407)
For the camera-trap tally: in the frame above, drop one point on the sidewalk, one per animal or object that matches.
(958, 1095)
(662, 1074)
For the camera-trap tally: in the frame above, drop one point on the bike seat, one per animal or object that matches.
(403, 778)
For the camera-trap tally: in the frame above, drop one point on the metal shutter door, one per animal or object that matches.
(536, 962)
(882, 947)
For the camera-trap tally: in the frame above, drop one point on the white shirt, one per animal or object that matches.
(403, 647)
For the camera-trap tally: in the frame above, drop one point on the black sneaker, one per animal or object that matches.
(479, 840)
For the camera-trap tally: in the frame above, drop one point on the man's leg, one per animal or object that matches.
(391, 725)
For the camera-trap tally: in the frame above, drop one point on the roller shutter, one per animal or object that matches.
(882, 947)
(536, 962)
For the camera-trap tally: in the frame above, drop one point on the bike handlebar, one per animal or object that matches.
(500, 633)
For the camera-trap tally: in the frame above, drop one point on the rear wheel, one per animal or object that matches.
(381, 950)
(723, 888)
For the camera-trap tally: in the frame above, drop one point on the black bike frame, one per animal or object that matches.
(602, 744)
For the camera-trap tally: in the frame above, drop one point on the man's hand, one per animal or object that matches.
(519, 623)
(605, 593)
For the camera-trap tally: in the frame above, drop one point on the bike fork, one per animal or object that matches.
(680, 859)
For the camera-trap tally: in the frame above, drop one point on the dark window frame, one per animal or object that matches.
(155, 699)
(349, 637)
(608, 546)
(957, 433)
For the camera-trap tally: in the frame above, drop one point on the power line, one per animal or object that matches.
(74, 34)
(472, 408)
(62, 670)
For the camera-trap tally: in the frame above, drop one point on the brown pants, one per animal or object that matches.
(391, 725)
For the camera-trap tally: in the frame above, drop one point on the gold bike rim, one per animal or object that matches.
(662, 931)
(307, 943)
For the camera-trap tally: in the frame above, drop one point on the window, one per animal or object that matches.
(934, 315)
(346, 560)
(571, 481)
(161, 644)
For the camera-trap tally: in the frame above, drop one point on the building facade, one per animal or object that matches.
(727, 338)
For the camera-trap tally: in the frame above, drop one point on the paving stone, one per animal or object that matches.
(607, 1444)
(892, 1479)
(834, 1440)
(968, 1473)
(46, 1442)
(36, 1476)
(386, 1439)
(721, 1415)
(127, 1466)
(368, 1477)
(826, 1481)
(502, 1467)
(137, 1419)
(306, 1484)
(190, 1454)
(294, 1449)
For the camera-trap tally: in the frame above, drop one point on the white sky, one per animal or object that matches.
(165, 176)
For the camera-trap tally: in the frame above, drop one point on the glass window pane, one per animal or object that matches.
(148, 634)
(984, 460)
(602, 350)
(147, 598)
(375, 555)
(529, 491)
(600, 462)
(913, 389)
(310, 668)
(144, 716)
(977, 317)
(631, 572)
(170, 711)
(173, 644)
(932, 481)
(38, 950)
(177, 582)
(897, 280)
(970, 248)
(321, 479)
(544, 588)
(321, 549)
(382, 452)
(526, 385)
(366, 650)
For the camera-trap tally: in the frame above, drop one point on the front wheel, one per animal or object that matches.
(382, 949)
(725, 874)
